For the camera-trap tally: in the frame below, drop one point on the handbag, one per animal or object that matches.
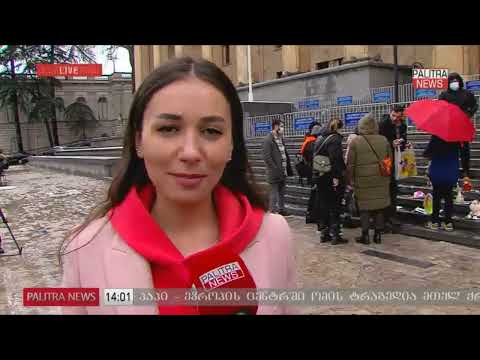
(321, 163)
(385, 165)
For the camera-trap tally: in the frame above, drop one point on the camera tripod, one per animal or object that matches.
(4, 220)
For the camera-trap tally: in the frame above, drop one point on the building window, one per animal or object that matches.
(226, 55)
(336, 62)
(321, 65)
(102, 108)
(60, 107)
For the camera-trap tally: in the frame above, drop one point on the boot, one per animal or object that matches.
(324, 235)
(364, 239)
(334, 232)
(377, 237)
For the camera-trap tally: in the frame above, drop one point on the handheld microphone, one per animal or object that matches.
(222, 270)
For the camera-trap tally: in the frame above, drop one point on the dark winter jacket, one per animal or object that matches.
(334, 150)
(444, 165)
(273, 161)
(461, 97)
(388, 129)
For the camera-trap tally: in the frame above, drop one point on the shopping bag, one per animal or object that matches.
(409, 163)
(351, 204)
(428, 204)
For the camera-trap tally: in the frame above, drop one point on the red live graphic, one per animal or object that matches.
(69, 70)
(61, 297)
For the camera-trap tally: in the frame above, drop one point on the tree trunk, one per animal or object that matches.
(15, 111)
(52, 94)
(49, 132)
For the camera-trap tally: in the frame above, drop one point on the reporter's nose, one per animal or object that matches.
(190, 149)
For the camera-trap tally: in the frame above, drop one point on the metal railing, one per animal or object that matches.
(296, 123)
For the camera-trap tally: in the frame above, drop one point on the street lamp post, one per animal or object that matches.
(395, 72)
(249, 66)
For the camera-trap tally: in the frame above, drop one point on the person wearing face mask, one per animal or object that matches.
(394, 128)
(278, 166)
(465, 100)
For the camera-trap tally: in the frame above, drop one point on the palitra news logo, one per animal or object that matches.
(430, 78)
(221, 275)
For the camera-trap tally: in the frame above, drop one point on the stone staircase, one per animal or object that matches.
(297, 195)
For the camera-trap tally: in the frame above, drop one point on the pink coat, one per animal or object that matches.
(108, 262)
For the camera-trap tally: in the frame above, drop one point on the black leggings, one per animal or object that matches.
(442, 192)
(377, 216)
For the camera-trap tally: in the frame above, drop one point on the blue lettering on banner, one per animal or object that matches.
(313, 104)
(425, 93)
(303, 123)
(263, 127)
(344, 100)
(310, 104)
(351, 119)
(382, 96)
(473, 85)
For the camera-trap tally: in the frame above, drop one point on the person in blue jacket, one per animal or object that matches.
(444, 171)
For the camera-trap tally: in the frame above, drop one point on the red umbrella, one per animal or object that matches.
(440, 118)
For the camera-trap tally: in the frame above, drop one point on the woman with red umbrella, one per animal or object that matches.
(449, 126)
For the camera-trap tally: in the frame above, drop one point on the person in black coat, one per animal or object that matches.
(465, 100)
(330, 186)
(308, 156)
(394, 128)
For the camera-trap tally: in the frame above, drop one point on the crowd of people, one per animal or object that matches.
(365, 172)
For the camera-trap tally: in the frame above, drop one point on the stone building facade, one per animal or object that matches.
(109, 97)
(271, 61)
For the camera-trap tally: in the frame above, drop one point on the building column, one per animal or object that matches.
(291, 58)
(143, 63)
(242, 64)
(178, 51)
(137, 51)
(160, 55)
(450, 57)
(471, 59)
(207, 53)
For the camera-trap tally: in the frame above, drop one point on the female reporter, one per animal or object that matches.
(183, 202)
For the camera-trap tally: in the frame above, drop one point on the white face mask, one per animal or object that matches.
(454, 86)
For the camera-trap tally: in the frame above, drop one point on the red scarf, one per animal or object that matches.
(239, 223)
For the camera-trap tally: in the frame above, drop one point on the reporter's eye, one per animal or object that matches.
(212, 131)
(168, 129)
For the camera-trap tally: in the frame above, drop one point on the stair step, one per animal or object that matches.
(410, 189)
(458, 222)
(459, 236)
(409, 201)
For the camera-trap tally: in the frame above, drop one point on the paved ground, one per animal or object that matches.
(44, 205)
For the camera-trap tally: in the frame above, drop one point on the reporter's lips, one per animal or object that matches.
(189, 181)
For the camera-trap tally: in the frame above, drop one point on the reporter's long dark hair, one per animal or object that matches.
(237, 175)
